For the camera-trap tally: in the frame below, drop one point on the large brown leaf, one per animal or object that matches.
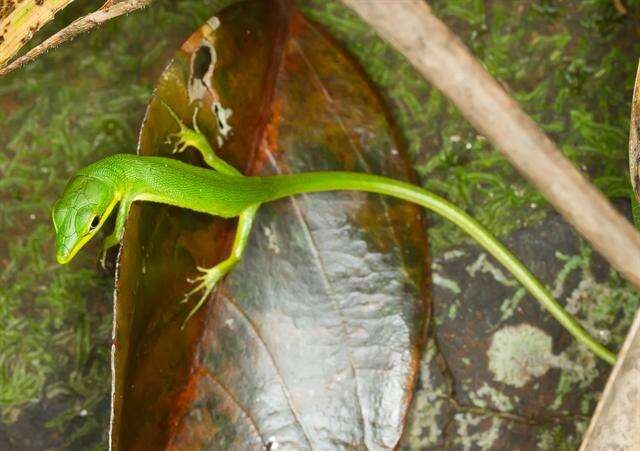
(313, 341)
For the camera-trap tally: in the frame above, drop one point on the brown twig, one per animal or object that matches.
(619, 6)
(110, 10)
(441, 58)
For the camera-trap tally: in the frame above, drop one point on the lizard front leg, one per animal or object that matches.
(118, 231)
(186, 137)
(210, 277)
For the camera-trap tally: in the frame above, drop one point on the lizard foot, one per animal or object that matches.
(205, 283)
(186, 136)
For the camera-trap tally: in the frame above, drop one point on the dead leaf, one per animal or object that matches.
(634, 138)
(314, 340)
(19, 20)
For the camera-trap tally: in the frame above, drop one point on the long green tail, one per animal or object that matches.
(288, 185)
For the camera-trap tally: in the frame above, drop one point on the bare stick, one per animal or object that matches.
(442, 59)
(109, 11)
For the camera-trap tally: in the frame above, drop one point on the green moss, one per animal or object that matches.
(72, 106)
(53, 328)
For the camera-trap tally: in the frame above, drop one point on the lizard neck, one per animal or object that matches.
(172, 182)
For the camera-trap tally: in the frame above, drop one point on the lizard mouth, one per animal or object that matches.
(62, 254)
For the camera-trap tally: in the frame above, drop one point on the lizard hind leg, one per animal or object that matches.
(209, 277)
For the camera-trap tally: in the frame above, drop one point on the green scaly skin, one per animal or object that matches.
(94, 191)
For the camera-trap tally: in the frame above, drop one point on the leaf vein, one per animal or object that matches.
(285, 390)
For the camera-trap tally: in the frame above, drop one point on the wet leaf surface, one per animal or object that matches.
(314, 340)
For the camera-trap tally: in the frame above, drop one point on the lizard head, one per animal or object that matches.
(80, 212)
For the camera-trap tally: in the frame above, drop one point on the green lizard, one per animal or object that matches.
(94, 191)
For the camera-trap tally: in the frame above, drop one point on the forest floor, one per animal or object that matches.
(570, 64)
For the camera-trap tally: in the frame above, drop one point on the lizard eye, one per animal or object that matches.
(94, 222)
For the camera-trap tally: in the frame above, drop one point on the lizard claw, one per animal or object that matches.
(180, 142)
(206, 282)
(194, 120)
(103, 259)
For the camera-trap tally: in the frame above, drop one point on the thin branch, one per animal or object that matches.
(109, 11)
(441, 58)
